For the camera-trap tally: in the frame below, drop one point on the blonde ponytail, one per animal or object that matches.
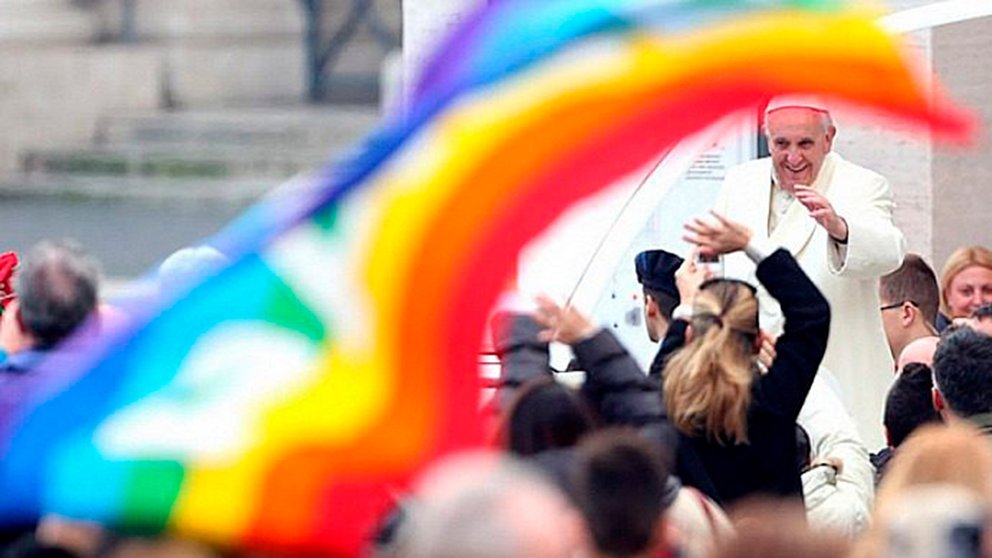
(708, 382)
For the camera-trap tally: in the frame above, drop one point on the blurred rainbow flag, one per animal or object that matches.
(275, 404)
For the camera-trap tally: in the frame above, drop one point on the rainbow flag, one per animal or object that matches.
(276, 404)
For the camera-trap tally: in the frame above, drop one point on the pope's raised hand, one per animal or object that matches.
(822, 211)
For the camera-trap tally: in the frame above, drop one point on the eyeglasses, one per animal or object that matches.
(897, 305)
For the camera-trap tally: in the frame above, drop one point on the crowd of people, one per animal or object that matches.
(826, 395)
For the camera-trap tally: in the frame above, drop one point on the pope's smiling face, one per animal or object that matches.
(799, 140)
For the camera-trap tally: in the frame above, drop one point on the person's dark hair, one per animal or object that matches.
(962, 371)
(983, 312)
(57, 287)
(909, 403)
(951, 329)
(666, 302)
(913, 281)
(620, 481)
(545, 415)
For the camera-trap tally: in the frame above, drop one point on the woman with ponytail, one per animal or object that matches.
(708, 387)
(735, 427)
(738, 425)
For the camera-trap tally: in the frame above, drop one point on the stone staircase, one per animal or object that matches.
(64, 67)
(221, 154)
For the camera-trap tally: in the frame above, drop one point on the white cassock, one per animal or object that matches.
(857, 352)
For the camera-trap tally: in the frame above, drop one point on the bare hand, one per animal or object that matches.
(688, 277)
(822, 211)
(714, 238)
(766, 353)
(12, 336)
(565, 325)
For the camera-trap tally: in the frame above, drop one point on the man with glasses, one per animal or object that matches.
(909, 300)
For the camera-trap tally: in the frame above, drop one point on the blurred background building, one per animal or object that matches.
(139, 126)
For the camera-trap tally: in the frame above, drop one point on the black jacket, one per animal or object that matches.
(725, 473)
(767, 464)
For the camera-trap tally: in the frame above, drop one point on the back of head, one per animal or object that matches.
(983, 312)
(188, 266)
(960, 259)
(919, 351)
(954, 455)
(981, 319)
(620, 482)
(913, 281)
(708, 382)
(909, 403)
(545, 415)
(57, 287)
(935, 456)
(951, 453)
(961, 371)
(777, 529)
(488, 506)
(656, 273)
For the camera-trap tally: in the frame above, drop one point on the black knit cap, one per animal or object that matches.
(656, 271)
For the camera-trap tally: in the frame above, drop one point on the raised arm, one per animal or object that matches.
(615, 385)
(807, 313)
(522, 355)
(800, 348)
(875, 246)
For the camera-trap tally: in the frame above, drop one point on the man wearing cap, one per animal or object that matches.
(836, 218)
(656, 274)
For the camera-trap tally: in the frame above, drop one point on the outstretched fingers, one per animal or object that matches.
(702, 235)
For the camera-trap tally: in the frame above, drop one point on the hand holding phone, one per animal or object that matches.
(689, 276)
(713, 264)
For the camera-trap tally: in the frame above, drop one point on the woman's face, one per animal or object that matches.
(969, 289)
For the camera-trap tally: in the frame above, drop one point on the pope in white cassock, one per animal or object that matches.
(836, 219)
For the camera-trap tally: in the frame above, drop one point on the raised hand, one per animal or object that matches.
(689, 276)
(717, 237)
(822, 211)
(563, 324)
(766, 353)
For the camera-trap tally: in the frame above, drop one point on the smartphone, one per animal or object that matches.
(712, 263)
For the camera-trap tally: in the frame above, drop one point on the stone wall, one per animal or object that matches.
(941, 191)
(59, 73)
(962, 178)
(55, 96)
(218, 52)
